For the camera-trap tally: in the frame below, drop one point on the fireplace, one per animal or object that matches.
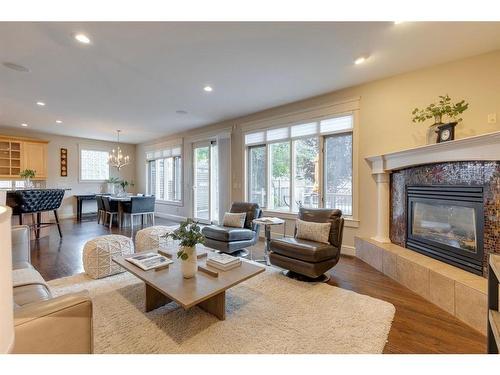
(446, 222)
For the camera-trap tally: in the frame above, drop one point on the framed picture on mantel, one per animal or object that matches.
(64, 162)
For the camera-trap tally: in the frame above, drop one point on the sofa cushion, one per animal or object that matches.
(20, 265)
(227, 234)
(31, 293)
(305, 250)
(235, 220)
(26, 276)
(317, 232)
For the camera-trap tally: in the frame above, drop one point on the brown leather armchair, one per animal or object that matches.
(235, 240)
(308, 258)
(44, 323)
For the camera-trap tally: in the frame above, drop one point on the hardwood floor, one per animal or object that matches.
(418, 326)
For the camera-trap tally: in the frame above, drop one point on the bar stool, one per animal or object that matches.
(37, 201)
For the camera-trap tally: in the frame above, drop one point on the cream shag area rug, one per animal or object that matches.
(269, 313)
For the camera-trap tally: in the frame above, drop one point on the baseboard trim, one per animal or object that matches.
(170, 216)
(348, 250)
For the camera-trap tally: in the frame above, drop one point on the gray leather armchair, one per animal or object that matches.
(235, 240)
(43, 323)
(308, 258)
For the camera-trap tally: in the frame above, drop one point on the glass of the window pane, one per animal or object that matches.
(306, 181)
(152, 177)
(160, 172)
(280, 176)
(257, 175)
(338, 172)
(201, 181)
(94, 165)
(169, 179)
(214, 182)
(177, 178)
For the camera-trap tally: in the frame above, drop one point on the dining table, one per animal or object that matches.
(121, 199)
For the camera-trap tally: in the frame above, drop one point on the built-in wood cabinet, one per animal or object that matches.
(17, 154)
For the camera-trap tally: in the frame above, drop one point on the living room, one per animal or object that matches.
(197, 187)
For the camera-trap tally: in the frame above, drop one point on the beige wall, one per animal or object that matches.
(54, 180)
(384, 121)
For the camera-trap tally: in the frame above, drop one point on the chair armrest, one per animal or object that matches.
(20, 243)
(58, 325)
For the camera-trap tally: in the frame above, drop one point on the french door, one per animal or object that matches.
(205, 182)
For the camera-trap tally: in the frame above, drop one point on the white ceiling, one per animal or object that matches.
(134, 76)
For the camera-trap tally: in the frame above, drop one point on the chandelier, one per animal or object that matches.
(117, 159)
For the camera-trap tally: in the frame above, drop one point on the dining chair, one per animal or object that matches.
(139, 206)
(101, 212)
(110, 209)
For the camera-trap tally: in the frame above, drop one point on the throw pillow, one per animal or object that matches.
(317, 232)
(236, 220)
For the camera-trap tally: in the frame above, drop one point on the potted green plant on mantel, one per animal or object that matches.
(27, 175)
(439, 111)
(189, 235)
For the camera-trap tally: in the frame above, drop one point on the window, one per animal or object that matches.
(11, 184)
(164, 174)
(257, 175)
(94, 165)
(280, 176)
(307, 164)
(338, 172)
(306, 175)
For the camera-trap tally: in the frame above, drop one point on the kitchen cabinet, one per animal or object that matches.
(35, 157)
(17, 154)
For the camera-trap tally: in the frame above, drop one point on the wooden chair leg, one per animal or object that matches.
(98, 216)
(57, 222)
(20, 219)
(110, 220)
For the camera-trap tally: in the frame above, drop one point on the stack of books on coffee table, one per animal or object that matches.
(223, 262)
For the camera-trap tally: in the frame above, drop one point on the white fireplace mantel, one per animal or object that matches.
(484, 147)
(480, 147)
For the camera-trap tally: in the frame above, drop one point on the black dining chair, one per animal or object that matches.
(101, 212)
(139, 206)
(110, 210)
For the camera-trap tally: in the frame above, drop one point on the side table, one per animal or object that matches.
(267, 228)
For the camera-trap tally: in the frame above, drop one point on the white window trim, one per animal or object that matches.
(90, 147)
(339, 109)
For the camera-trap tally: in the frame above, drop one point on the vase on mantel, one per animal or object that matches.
(189, 266)
(431, 134)
(432, 130)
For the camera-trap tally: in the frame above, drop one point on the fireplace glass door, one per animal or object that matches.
(447, 224)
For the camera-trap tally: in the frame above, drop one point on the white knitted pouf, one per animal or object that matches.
(97, 254)
(152, 237)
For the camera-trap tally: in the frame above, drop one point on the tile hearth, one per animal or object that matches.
(456, 291)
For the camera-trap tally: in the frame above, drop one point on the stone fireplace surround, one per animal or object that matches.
(470, 173)
(459, 292)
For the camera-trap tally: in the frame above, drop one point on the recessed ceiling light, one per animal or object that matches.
(59, 121)
(24, 125)
(360, 60)
(41, 104)
(82, 38)
(16, 67)
(181, 112)
(208, 88)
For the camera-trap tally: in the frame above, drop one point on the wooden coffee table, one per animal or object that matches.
(205, 291)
